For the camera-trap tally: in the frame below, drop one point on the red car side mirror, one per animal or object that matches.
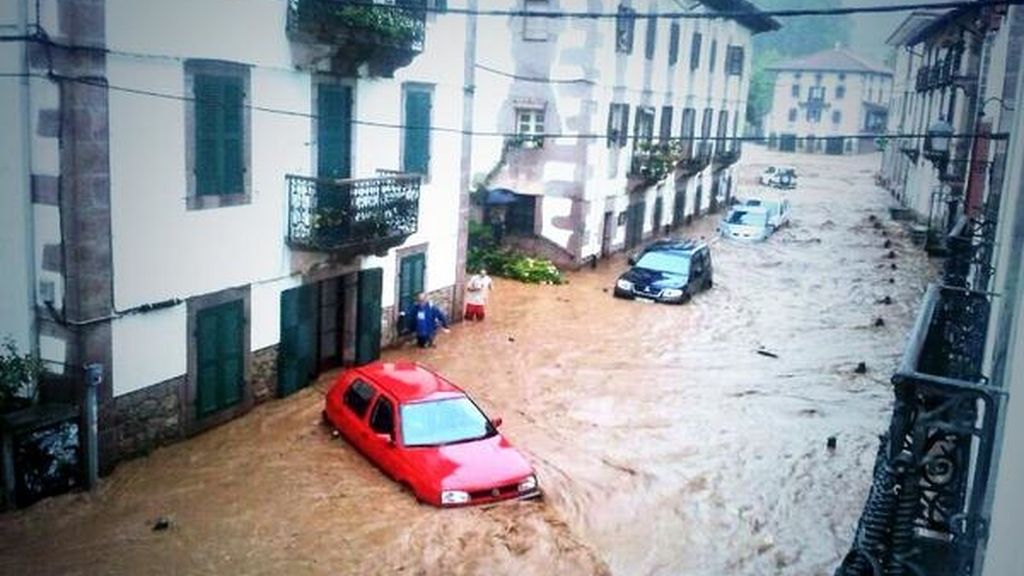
(496, 422)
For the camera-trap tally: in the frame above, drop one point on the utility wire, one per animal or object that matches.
(99, 83)
(775, 13)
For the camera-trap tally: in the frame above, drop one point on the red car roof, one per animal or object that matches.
(407, 381)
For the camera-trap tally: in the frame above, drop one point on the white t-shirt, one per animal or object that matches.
(477, 289)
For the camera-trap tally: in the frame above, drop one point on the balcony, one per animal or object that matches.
(695, 162)
(815, 104)
(348, 34)
(652, 162)
(926, 510)
(726, 156)
(352, 217)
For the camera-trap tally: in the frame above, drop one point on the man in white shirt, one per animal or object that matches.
(477, 289)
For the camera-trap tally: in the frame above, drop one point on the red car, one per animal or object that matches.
(426, 433)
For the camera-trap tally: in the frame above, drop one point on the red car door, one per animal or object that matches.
(352, 417)
(380, 438)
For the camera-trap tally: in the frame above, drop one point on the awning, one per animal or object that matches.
(500, 196)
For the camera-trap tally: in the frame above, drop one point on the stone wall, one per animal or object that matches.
(148, 418)
(264, 374)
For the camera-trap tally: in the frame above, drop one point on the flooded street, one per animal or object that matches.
(664, 441)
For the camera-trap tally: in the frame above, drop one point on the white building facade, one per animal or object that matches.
(220, 212)
(606, 132)
(832, 102)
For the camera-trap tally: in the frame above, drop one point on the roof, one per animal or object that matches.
(407, 381)
(833, 60)
(939, 24)
(910, 26)
(675, 245)
(748, 14)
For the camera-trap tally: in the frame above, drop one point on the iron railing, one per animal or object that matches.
(697, 161)
(360, 216)
(925, 512)
(726, 155)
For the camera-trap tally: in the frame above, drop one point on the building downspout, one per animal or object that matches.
(468, 95)
(25, 86)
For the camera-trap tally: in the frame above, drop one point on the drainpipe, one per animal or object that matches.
(90, 448)
(26, 175)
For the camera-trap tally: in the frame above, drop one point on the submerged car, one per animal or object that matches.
(746, 223)
(427, 434)
(777, 208)
(779, 177)
(670, 271)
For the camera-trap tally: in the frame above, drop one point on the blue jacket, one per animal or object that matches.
(424, 319)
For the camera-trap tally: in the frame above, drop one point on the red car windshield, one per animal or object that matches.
(443, 422)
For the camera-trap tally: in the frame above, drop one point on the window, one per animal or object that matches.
(695, 51)
(797, 75)
(357, 397)
(218, 145)
(333, 130)
(842, 76)
(792, 114)
(734, 61)
(382, 420)
(651, 41)
(529, 121)
(840, 92)
(416, 136)
(673, 44)
(813, 114)
(871, 94)
(644, 129)
(818, 77)
(705, 124)
(837, 116)
(795, 91)
(713, 56)
(519, 216)
(816, 93)
(625, 22)
(688, 128)
(535, 28)
(723, 131)
(665, 128)
(618, 125)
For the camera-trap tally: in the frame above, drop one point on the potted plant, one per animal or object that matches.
(18, 376)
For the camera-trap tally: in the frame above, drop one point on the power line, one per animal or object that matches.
(99, 83)
(775, 13)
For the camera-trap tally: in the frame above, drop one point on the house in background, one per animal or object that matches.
(590, 106)
(216, 213)
(832, 101)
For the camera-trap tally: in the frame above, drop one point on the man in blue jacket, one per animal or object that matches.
(424, 318)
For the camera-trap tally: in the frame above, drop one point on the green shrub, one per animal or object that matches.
(18, 375)
(484, 252)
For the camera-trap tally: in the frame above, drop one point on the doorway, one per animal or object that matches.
(607, 234)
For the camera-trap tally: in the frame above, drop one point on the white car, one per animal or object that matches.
(777, 208)
(779, 177)
(746, 224)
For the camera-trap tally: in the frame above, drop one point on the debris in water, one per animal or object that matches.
(831, 443)
(872, 218)
(892, 280)
(887, 300)
(888, 244)
(162, 523)
(879, 322)
(605, 290)
(862, 368)
(764, 352)
(893, 266)
(511, 339)
(891, 254)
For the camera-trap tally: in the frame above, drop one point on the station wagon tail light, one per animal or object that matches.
(450, 497)
(529, 484)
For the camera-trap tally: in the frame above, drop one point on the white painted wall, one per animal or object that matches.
(161, 250)
(16, 302)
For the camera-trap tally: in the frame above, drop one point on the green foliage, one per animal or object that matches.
(18, 374)
(389, 22)
(484, 252)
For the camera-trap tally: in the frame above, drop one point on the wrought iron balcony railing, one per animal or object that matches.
(926, 510)
(386, 36)
(726, 155)
(652, 162)
(697, 161)
(352, 217)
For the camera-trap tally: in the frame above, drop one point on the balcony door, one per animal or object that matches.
(334, 131)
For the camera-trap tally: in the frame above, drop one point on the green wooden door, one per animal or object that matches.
(220, 358)
(635, 224)
(410, 279)
(368, 315)
(334, 131)
(416, 149)
(296, 355)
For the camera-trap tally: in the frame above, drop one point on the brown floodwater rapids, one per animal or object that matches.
(664, 442)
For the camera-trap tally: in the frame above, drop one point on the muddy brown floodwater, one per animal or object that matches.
(664, 442)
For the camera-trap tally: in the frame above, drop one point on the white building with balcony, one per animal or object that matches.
(832, 102)
(217, 212)
(605, 132)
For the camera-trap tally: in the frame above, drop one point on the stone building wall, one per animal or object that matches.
(148, 418)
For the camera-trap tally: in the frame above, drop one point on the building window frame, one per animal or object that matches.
(409, 88)
(840, 91)
(625, 27)
(651, 38)
(712, 56)
(795, 91)
(792, 114)
(695, 47)
(734, 56)
(535, 28)
(618, 124)
(837, 117)
(219, 69)
(675, 32)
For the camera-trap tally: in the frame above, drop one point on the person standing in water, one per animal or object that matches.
(478, 288)
(423, 317)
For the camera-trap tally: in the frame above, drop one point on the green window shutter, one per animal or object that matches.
(416, 150)
(207, 93)
(410, 280)
(334, 131)
(231, 325)
(232, 136)
(207, 367)
(368, 318)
